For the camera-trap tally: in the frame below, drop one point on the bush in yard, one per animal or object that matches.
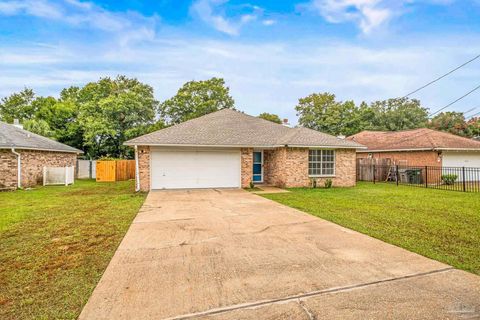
(252, 185)
(314, 183)
(328, 183)
(449, 179)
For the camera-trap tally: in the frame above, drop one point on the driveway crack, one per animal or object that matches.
(296, 298)
(310, 315)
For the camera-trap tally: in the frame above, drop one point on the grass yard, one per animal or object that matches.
(442, 225)
(55, 243)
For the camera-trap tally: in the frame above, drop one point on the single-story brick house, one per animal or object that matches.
(419, 147)
(230, 149)
(24, 154)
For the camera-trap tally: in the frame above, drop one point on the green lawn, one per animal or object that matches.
(55, 243)
(442, 225)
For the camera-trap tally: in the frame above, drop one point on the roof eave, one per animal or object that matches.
(397, 150)
(457, 149)
(326, 146)
(240, 146)
(420, 149)
(41, 149)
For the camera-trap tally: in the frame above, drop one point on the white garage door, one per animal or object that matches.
(461, 159)
(173, 169)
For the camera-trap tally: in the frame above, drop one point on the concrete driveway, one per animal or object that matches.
(229, 254)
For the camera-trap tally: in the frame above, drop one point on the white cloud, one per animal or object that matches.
(127, 25)
(36, 8)
(269, 22)
(367, 14)
(210, 11)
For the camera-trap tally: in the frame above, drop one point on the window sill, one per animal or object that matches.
(322, 176)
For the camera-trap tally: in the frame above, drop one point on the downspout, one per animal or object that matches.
(19, 169)
(137, 174)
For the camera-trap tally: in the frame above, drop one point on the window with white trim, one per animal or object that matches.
(321, 162)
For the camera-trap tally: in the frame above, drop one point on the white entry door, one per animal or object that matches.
(185, 169)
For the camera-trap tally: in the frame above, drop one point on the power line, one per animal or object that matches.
(469, 110)
(441, 77)
(473, 115)
(453, 102)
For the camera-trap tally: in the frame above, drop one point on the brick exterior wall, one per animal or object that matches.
(283, 167)
(144, 167)
(288, 167)
(32, 163)
(8, 169)
(345, 169)
(246, 159)
(413, 158)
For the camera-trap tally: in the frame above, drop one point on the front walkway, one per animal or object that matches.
(229, 254)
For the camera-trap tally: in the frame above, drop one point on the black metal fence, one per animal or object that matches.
(466, 179)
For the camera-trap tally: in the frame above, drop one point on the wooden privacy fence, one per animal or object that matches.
(115, 170)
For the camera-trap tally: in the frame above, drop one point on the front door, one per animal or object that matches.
(257, 167)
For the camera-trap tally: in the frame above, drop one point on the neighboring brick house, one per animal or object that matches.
(228, 148)
(419, 147)
(29, 152)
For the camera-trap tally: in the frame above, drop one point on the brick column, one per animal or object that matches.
(144, 167)
(247, 166)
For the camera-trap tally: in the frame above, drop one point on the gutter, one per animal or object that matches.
(396, 150)
(419, 149)
(19, 169)
(458, 149)
(137, 174)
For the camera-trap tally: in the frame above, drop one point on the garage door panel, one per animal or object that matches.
(459, 160)
(195, 169)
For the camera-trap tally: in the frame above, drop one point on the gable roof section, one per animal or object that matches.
(230, 128)
(13, 137)
(416, 139)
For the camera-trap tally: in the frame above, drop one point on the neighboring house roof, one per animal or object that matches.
(232, 128)
(13, 137)
(416, 139)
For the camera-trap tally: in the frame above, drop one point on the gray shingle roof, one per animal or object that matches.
(13, 137)
(233, 128)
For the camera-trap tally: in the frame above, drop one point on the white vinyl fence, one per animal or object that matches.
(58, 175)
(86, 169)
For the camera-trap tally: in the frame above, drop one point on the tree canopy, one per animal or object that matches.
(18, 106)
(195, 99)
(321, 111)
(97, 118)
(100, 116)
(397, 114)
(270, 117)
(109, 109)
(453, 122)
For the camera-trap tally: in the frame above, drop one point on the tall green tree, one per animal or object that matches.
(108, 109)
(322, 112)
(195, 99)
(18, 106)
(453, 122)
(397, 114)
(270, 117)
(62, 118)
(40, 127)
(473, 128)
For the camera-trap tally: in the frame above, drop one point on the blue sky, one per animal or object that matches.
(269, 52)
